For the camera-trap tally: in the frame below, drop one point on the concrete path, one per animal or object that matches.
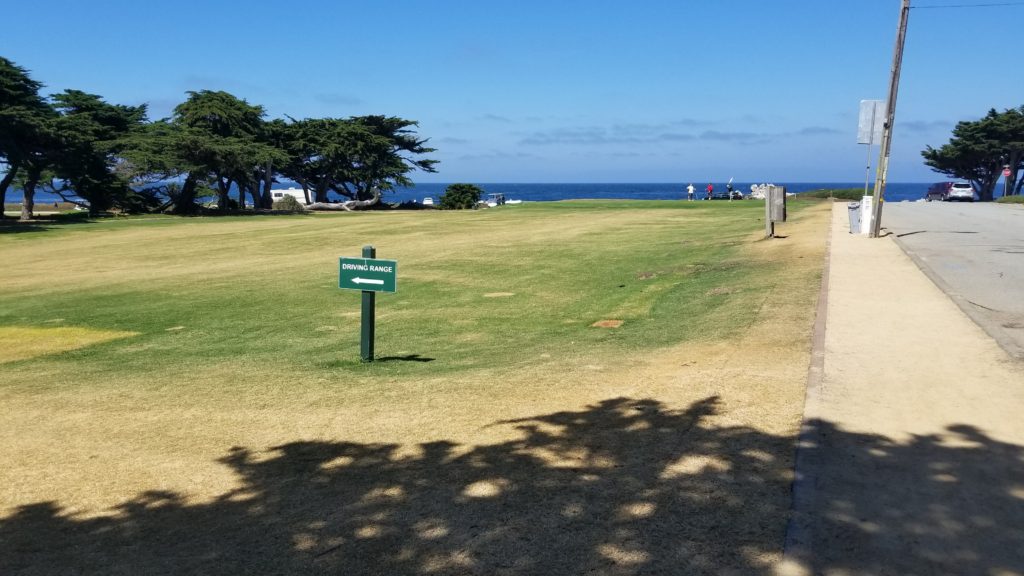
(912, 453)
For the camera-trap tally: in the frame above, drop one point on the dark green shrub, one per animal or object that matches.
(288, 204)
(838, 194)
(460, 197)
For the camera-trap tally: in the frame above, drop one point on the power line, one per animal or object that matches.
(988, 5)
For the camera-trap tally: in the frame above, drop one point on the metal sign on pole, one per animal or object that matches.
(890, 116)
(869, 131)
(774, 209)
(869, 122)
(368, 275)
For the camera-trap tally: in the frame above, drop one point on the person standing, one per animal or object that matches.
(710, 190)
(689, 192)
(728, 190)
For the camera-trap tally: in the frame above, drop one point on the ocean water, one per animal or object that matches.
(895, 191)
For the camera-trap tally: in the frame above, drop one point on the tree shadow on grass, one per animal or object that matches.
(39, 224)
(625, 486)
(9, 227)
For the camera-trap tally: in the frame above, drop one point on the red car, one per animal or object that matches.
(938, 191)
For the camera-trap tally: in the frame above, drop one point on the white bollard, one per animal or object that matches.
(866, 203)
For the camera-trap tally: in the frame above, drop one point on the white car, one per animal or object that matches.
(960, 191)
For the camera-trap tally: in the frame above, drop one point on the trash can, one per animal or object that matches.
(854, 210)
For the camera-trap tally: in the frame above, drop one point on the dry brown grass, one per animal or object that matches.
(676, 459)
(24, 342)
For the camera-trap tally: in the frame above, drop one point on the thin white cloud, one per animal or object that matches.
(657, 134)
(497, 155)
(818, 130)
(924, 126)
(615, 134)
(496, 118)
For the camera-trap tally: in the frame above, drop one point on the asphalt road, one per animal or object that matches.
(975, 253)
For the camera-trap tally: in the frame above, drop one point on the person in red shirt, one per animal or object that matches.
(710, 190)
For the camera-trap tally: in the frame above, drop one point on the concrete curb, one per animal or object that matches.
(1011, 347)
(796, 552)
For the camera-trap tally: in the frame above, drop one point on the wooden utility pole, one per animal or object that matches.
(890, 116)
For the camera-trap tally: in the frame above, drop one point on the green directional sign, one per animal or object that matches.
(368, 274)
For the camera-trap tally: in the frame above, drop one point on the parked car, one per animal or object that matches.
(938, 191)
(960, 191)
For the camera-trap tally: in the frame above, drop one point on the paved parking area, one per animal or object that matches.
(975, 253)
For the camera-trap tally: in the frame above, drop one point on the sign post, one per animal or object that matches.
(368, 275)
(869, 130)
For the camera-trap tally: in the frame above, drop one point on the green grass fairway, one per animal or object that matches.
(493, 289)
(186, 395)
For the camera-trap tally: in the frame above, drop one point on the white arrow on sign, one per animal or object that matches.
(358, 280)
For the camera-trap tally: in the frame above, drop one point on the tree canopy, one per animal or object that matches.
(461, 197)
(356, 158)
(219, 139)
(91, 134)
(111, 156)
(979, 150)
(27, 137)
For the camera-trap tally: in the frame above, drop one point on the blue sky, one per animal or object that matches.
(557, 91)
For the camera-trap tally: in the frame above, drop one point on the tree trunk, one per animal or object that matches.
(320, 193)
(222, 194)
(268, 182)
(1014, 159)
(12, 172)
(986, 190)
(250, 187)
(254, 193)
(186, 203)
(28, 204)
(349, 205)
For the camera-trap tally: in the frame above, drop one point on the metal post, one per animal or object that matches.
(769, 226)
(890, 116)
(867, 171)
(871, 140)
(367, 329)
